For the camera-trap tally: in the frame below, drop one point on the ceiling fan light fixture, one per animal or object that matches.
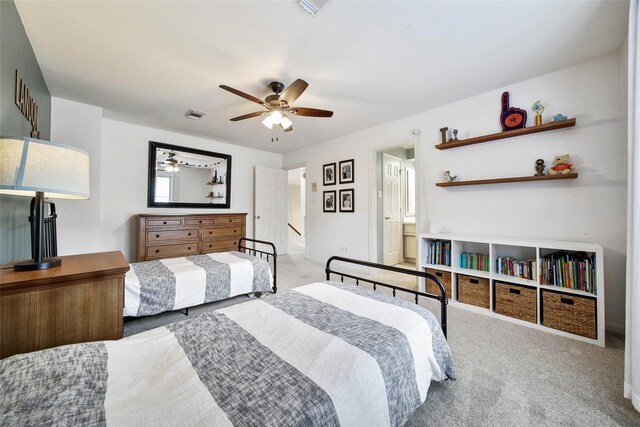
(286, 123)
(277, 117)
(268, 122)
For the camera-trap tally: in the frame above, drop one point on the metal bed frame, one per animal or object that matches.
(420, 274)
(274, 254)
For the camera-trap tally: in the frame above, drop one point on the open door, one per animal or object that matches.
(270, 198)
(391, 202)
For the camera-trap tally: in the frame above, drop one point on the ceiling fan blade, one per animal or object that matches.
(248, 116)
(311, 112)
(242, 94)
(289, 129)
(294, 90)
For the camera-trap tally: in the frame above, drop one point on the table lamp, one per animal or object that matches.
(31, 167)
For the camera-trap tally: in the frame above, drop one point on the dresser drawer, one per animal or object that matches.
(516, 301)
(473, 290)
(200, 221)
(221, 232)
(229, 220)
(570, 313)
(445, 278)
(163, 236)
(220, 245)
(164, 222)
(167, 251)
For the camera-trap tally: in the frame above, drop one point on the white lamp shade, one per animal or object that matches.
(268, 122)
(286, 123)
(28, 165)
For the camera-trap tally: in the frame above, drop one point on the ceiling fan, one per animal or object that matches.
(170, 164)
(278, 105)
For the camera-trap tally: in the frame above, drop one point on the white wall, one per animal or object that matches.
(119, 162)
(591, 208)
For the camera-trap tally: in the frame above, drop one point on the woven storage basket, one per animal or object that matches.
(473, 290)
(445, 278)
(515, 301)
(569, 313)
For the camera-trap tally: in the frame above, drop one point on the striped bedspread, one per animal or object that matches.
(324, 354)
(153, 287)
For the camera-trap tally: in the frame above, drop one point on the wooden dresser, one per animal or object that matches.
(79, 301)
(167, 236)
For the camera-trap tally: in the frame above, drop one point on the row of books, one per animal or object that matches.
(439, 252)
(512, 267)
(474, 261)
(569, 270)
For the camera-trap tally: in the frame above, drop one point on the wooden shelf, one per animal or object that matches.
(508, 134)
(501, 180)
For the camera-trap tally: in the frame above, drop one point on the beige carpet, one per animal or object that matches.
(508, 375)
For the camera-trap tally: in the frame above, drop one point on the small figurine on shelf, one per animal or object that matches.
(210, 195)
(561, 165)
(447, 176)
(511, 118)
(455, 135)
(538, 109)
(559, 118)
(539, 168)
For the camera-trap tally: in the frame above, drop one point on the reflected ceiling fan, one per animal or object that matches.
(278, 105)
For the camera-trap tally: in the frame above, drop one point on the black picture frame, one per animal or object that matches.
(329, 201)
(346, 171)
(151, 203)
(347, 200)
(329, 174)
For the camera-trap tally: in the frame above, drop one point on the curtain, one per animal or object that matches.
(632, 339)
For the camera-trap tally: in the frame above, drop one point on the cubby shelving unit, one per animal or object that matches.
(561, 310)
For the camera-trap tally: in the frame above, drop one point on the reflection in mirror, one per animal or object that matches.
(410, 198)
(187, 177)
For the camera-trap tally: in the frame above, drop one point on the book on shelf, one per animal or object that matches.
(474, 261)
(439, 252)
(569, 270)
(510, 266)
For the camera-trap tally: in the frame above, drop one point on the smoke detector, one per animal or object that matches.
(312, 6)
(195, 114)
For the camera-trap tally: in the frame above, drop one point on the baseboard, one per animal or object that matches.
(618, 329)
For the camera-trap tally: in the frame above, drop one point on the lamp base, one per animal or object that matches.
(33, 265)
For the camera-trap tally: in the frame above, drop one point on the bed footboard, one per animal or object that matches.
(253, 251)
(421, 274)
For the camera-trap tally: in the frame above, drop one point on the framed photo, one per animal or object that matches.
(346, 200)
(329, 200)
(346, 171)
(329, 174)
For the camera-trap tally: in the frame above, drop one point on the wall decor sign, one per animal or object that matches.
(27, 104)
(329, 201)
(511, 117)
(346, 171)
(346, 200)
(329, 174)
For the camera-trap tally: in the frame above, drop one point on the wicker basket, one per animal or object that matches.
(473, 290)
(569, 313)
(515, 301)
(445, 278)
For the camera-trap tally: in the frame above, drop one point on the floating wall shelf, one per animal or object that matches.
(502, 180)
(508, 134)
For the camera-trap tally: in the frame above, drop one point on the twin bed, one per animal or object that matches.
(327, 353)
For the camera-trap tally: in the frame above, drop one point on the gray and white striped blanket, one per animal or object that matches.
(324, 354)
(153, 287)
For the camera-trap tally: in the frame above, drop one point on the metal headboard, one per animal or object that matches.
(255, 252)
(421, 274)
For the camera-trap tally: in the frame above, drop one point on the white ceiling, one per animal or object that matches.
(369, 62)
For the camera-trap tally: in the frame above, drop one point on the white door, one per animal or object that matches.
(271, 207)
(391, 198)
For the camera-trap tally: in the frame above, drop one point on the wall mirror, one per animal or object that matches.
(182, 177)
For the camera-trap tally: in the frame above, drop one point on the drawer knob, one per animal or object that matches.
(229, 220)
(474, 281)
(189, 234)
(566, 301)
(211, 232)
(157, 251)
(157, 236)
(210, 246)
(189, 248)
(200, 222)
(514, 291)
(164, 222)
(439, 274)
(235, 231)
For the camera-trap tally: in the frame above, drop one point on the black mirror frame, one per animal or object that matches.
(153, 146)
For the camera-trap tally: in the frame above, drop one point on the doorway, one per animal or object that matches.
(396, 196)
(296, 209)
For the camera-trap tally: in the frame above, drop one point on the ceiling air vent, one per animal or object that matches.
(312, 6)
(195, 114)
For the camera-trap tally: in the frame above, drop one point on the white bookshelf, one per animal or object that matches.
(520, 249)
